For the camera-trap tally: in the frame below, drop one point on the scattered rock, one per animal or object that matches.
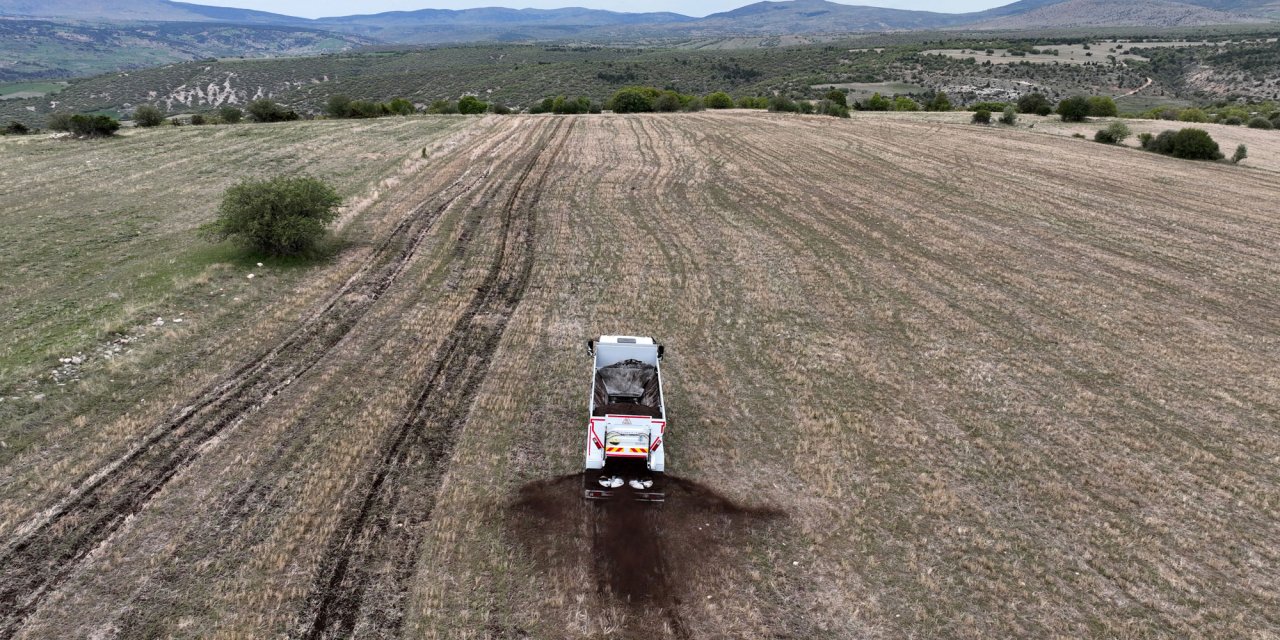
(158, 323)
(251, 276)
(39, 397)
(76, 360)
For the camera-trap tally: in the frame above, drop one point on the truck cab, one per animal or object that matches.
(627, 423)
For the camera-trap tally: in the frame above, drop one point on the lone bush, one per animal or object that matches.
(631, 100)
(1195, 144)
(147, 116)
(982, 116)
(783, 104)
(15, 128)
(1102, 107)
(471, 105)
(265, 110)
(1260, 122)
(667, 101)
(1115, 133)
(1074, 109)
(198, 119)
(1146, 140)
(939, 102)
(279, 216)
(903, 103)
(59, 122)
(93, 126)
(720, 100)
(1009, 116)
(1033, 103)
(1241, 153)
(1193, 115)
(877, 102)
(230, 115)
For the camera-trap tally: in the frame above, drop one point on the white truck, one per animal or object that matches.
(626, 450)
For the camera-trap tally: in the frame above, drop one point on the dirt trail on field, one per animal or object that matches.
(648, 557)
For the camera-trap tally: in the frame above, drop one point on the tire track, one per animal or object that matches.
(401, 487)
(41, 558)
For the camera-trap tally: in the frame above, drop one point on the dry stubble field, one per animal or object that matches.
(925, 379)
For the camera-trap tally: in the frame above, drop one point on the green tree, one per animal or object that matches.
(147, 116)
(783, 104)
(15, 128)
(1074, 109)
(939, 102)
(338, 106)
(401, 107)
(1115, 133)
(831, 108)
(230, 115)
(59, 121)
(631, 100)
(198, 119)
(1102, 107)
(1260, 123)
(718, 100)
(667, 101)
(903, 103)
(1195, 144)
(1033, 103)
(441, 107)
(1193, 114)
(877, 102)
(279, 216)
(1241, 153)
(981, 116)
(471, 105)
(838, 97)
(1009, 116)
(93, 126)
(266, 110)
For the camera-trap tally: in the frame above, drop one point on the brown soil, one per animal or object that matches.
(647, 557)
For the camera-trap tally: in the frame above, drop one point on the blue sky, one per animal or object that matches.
(321, 8)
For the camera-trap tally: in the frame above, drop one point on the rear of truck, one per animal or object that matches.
(625, 449)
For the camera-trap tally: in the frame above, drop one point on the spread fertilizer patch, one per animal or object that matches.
(640, 554)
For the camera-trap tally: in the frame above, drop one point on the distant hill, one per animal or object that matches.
(141, 11)
(1116, 13)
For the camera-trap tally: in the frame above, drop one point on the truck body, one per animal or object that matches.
(627, 423)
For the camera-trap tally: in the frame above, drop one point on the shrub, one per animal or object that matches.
(1193, 115)
(1260, 123)
(718, 100)
(694, 104)
(93, 126)
(198, 119)
(1009, 116)
(1195, 144)
(338, 106)
(1034, 103)
(1074, 109)
(279, 216)
(1241, 153)
(471, 105)
(15, 128)
(804, 106)
(939, 102)
(401, 107)
(440, 107)
(838, 97)
(782, 104)
(831, 108)
(59, 122)
(631, 100)
(148, 116)
(499, 108)
(265, 110)
(1146, 140)
(1044, 110)
(1115, 133)
(1233, 121)
(1102, 107)
(982, 116)
(903, 103)
(877, 102)
(230, 115)
(667, 101)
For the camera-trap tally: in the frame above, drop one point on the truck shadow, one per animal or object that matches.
(645, 557)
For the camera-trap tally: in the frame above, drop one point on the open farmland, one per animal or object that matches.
(925, 378)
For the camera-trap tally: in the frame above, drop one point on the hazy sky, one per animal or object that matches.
(321, 8)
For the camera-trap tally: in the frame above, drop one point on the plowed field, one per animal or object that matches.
(925, 379)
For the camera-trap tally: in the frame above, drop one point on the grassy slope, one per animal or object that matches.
(1005, 384)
